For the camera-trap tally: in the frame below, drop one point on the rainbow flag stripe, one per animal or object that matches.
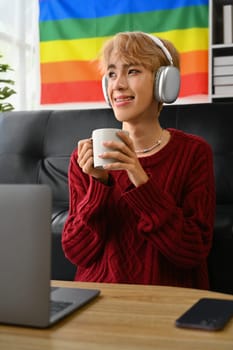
(73, 32)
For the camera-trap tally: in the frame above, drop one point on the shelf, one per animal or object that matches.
(221, 96)
(218, 48)
(222, 46)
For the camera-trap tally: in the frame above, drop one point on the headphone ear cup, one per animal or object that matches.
(105, 89)
(167, 84)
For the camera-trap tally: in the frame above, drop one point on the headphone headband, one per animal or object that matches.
(161, 45)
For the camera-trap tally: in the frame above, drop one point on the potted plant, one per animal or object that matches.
(5, 90)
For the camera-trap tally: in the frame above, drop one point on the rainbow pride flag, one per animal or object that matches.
(72, 33)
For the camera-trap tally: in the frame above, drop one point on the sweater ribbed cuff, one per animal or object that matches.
(149, 197)
(97, 197)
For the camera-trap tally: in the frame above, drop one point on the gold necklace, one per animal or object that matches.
(146, 150)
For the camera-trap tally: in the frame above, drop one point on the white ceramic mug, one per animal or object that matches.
(98, 137)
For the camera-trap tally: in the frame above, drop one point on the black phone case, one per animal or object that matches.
(207, 314)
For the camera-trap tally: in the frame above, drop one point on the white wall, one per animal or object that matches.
(19, 45)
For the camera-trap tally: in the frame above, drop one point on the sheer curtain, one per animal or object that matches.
(19, 46)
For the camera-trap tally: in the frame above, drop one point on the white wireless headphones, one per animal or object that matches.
(167, 79)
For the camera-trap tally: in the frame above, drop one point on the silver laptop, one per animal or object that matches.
(26, 297)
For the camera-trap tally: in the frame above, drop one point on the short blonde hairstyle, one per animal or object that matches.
(138, 48)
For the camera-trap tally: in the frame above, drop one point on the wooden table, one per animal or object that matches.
(123, 317)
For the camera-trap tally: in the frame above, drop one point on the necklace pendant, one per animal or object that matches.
(146, 150)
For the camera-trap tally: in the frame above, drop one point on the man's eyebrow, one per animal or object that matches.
(111, 66)
(126, 65)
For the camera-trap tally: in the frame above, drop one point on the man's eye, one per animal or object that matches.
(111, 74)
(133, 71)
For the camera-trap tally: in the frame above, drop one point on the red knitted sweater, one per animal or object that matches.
(158, 233)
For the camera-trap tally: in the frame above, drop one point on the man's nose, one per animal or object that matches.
(120, 82)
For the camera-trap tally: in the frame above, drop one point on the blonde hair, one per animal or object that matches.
(138, 48)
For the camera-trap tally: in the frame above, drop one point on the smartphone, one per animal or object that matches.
(207, 314)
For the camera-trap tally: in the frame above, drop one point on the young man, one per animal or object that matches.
(148, 217)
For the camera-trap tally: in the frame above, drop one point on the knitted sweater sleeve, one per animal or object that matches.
(84, 232)
(182, 232)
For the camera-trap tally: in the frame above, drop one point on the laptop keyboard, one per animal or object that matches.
(58, 306)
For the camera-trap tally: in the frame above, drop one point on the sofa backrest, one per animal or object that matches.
(213, 122)
(35, 146)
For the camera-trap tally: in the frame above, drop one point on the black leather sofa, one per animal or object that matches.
(35, 147)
